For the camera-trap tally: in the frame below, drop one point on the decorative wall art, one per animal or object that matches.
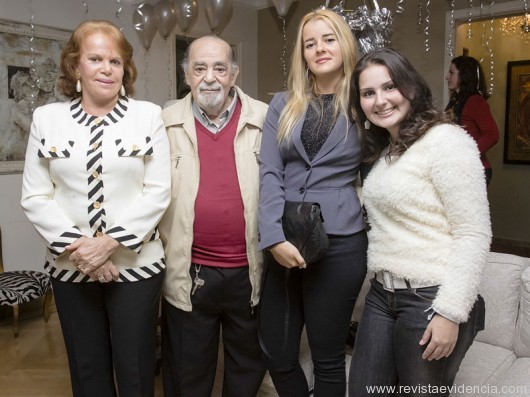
(29, 67)
(517, 118)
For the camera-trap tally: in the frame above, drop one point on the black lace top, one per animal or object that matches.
(318, 123)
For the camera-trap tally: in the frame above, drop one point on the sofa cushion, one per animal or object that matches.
(483, 365)
(516, 382)
(501, 289)
(522, 334)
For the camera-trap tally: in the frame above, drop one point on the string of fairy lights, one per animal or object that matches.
(450, 41)
(35, 82)
(118, 12)
(284, 52)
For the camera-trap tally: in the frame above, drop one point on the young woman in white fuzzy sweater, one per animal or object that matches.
(429, 236)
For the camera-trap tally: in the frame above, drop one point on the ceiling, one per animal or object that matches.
(255, 3)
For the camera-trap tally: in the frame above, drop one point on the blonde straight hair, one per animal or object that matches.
(302, 82)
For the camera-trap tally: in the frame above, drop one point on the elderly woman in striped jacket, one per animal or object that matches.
(96, 182)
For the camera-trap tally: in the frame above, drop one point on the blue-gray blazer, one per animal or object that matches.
(286, 173)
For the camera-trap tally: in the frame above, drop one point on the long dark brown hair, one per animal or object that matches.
(422, 116)
(471, 81)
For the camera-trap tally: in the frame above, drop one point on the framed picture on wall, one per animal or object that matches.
(181, 45)
(517, 117)
(29, 67)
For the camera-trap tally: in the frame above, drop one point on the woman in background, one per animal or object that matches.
(96, 182)
(310, 152)
(468, 107)
(429, 235)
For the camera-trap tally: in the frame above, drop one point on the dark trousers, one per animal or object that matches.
(190, 340)
(387, 350)
(322, 297)
(110, 328)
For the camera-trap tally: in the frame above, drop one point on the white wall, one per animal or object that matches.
(509, 190)
(155, 68)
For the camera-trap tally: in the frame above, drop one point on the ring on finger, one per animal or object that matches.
(101, 278)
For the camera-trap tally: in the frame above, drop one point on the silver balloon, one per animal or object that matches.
(218, 13)
(187, 12)
(282, 6)
(144, 23)
(166, 17)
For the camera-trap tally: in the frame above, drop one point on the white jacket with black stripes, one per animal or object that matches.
(85, 175)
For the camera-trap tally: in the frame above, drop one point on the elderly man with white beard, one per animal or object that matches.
(210, 229)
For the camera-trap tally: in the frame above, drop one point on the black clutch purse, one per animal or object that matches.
(302, 226)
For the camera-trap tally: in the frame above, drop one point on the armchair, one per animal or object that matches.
(22, 286)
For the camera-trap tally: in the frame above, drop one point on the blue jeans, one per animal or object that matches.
(322, 297)
(387, 350)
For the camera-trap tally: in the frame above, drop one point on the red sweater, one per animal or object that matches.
(219, 227)
(480, 124)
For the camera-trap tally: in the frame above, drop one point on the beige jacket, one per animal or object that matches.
(176, 227)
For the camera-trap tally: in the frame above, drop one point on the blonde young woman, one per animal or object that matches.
(310, 152)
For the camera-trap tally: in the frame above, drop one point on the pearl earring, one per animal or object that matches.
(367, 125)
(122, 91)
(78, 87)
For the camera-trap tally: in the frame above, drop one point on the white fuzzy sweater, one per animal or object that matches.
(429, 217)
